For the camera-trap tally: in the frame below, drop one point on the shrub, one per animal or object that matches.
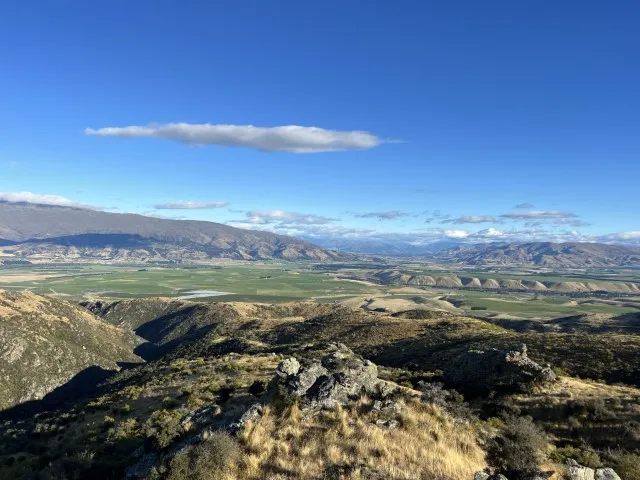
(170, 402)
(125, 430)
(627, 465)
(517, 451)
(212, 459)
(162, 428)
(588, 458)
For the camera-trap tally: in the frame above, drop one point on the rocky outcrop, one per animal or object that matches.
(575, 471)
(338, 377)
(606, 474)
(500, 370)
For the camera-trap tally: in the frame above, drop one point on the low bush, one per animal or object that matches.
(588, 458)
(517, 451)
(213, 459)
(162, 428)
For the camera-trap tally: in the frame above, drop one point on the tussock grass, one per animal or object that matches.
(346, 443)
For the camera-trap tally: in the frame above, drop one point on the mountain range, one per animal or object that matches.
(543, 254)
(56, 233)
(46, 233)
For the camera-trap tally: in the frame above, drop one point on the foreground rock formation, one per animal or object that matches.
(338, 377)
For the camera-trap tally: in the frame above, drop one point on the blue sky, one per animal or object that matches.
(444, 115)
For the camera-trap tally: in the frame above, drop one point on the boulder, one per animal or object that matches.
(481, 476)
(575, 471)
(495, 369)
(200, 418)
(287, 367)
(606, 474)
(253, 414)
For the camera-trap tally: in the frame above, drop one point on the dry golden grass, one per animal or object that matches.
(346, 443)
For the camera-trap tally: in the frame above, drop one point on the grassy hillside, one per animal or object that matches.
(45, 342)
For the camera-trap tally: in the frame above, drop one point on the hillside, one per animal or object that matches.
(397, 277)
(45, 342)
(255, 391)
(543, 254)
(53, 233)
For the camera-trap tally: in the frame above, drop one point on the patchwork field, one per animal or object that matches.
(277, 282)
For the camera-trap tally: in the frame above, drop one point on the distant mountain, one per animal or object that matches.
(380, 246)
(45, 342)
(544, 254)
(45, 232)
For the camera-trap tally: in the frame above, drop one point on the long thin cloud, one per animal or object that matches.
(473, 219)
(37, 199)
(391, 215)
(187, 205)
(261, 217)
(288, 138)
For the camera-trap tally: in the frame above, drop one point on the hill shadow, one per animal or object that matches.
(83, 385)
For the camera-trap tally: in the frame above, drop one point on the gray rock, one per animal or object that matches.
(481, 476)
(252, 414)
(387, 406)
(287, 367)
(575, 471)
(606, 474)
(202, 417)
(387, 423)
(496, 369)
(337, 378)
(305, 378)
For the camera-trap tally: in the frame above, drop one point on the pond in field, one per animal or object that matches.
(202, 294)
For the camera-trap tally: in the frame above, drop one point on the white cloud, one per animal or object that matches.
(261, 217)
(473, 219)
(35, 199)
(391, 215)
(288, 138)
(456, 234)
(489, 233)
(187, 205)
(534, 217)
(539, 215)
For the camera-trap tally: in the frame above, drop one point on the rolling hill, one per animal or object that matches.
(54, 233)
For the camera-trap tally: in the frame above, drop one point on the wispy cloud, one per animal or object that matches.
(390, 215)
(525, 206)
(437, 215)
(37, 199)
(261, 217)
(474, 219)
(188, 205)
(288, 138)
(537, 217)
(488, 233)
